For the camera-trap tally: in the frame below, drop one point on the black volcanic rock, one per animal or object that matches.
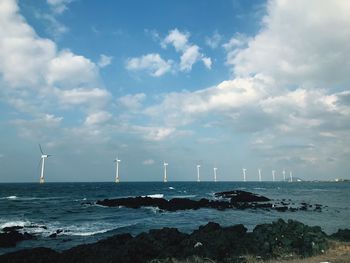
(10, 236)
(12, 228)
(280, 238)
(342, 235)
(171, 205)
(242, 196)
(238, 199)
(216, 242)
(33, 255)
(222, 244)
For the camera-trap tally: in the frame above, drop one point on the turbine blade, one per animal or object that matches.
(41, 150)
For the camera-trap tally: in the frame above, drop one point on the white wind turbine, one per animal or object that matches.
(284, 175)
(273, 175)
(259, 171)
(198, 176)
(117, 161)
(244, 175)
(215, 178)
(165, 175)
(43, 157)
(291, 176)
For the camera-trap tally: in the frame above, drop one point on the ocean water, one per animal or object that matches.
(43, 209)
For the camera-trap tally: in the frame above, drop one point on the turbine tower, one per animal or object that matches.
(291, 176)
(117, 161)
(284, 175)
(215, 178)
(244, 175)
(198, 176)
(43, 157)
(259, 171)
(165, 176)
(273, 175)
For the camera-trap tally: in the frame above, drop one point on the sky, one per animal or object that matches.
(228, 84)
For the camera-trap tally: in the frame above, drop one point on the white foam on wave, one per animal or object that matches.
(171, 188)
(87, 205)
(103, 206)
(15, 223)
(87, 229)
(155, 196)
(91, 229)
(25, 198)
(153, 209)
(11, 197)
(26, 226)
(83, 234)
(183, 196)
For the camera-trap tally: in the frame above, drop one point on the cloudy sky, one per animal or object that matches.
(232, 84)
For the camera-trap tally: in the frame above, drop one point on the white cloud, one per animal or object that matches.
(300, 43)
(97, 118)
(181, 108)
(23, 55)
(94, 97)
(152, 63)
(54, 27)
(37, 128)
(190, 54)
(132, 101)
(104, 61)
(178, 39)
(207, 62)
(58, 6)
(32, 69)
(67, 70)
(154, 133)
(148, 162)
(214, 40)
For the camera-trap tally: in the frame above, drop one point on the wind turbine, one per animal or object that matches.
(43, 157)
(273, 175)
(291, 176)
(259, 171)
(198, 176)
(215, 178)
(244, 175)
(284, 175)
(165, 177)
(117, 161)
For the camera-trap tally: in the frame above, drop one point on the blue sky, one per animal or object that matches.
(232, 84)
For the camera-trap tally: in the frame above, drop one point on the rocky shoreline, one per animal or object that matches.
(279, 239)
(236, 199)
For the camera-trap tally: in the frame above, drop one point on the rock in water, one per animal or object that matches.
(238, 199)
(242, 196)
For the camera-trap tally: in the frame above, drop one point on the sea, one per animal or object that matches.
(42, 209)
